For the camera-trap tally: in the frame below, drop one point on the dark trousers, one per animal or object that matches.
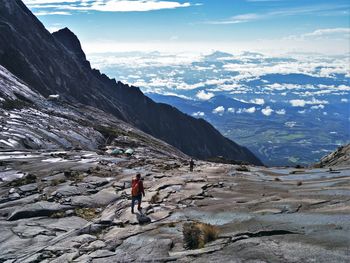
(137, 198)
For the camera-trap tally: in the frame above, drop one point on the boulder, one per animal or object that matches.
(42, 208)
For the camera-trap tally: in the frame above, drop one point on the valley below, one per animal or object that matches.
(74, 206)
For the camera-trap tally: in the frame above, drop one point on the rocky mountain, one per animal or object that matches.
(56, 64)
(30, 121)
(340, 157)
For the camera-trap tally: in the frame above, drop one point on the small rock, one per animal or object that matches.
(28, 187)
(85, 238)
(101, 254)
(143, 219)
(14, 196)
(98, 244)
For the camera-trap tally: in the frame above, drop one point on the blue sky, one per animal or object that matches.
(122, 25)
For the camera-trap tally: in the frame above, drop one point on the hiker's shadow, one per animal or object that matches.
(142, 218)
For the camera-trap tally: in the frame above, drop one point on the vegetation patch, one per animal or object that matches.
(57, 181)
(86, 213)
(29, 179)
(108, 132)
(171, 224)
(242, 168)
(155, 198)
(59, 214)
(74, 176)
(197, 234)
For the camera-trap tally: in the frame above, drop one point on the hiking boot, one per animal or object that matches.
(132, 211)
(139, 208)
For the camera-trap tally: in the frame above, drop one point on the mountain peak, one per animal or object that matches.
(71, 42)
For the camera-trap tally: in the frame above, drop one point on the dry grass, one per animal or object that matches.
(197, 234)
(171, 224)
(242, 168)
(75, 176)
(29, 179)
(59, 214)
(57, 181)
(155, 198)
(86, 213)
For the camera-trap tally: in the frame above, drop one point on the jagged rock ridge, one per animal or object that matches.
(340, 157)
(55, 63)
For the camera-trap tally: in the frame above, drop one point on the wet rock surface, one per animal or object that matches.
(84, 215)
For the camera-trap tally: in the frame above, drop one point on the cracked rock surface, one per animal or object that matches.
(82, 213)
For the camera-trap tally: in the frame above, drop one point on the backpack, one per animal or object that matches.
(135, 188)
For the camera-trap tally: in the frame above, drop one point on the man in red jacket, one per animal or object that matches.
(137, 191)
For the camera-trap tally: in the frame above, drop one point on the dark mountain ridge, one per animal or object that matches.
(56, 64)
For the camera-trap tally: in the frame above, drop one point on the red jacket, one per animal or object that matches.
(140, 183)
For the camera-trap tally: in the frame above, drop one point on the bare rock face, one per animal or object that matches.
(56, 64)
(251, 217)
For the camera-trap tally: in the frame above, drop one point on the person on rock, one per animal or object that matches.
(137, 191)
(191, 165)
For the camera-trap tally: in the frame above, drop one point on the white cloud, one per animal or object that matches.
(107, 5)
(325, 33)
(344, 100)
(302, 103)
(177, 95)
(258, 101)
(202, 95)
(316, 107)
(304, 10)
(231, 110)
(250, 110)
(290, 124)
(198, 114)
(281, 112)
(267, 111)
(40, 2)
(219, 110)
(48, 13)
(298, 103)
(244, 110)
(343, 88)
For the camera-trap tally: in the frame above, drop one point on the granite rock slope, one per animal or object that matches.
(74, 206)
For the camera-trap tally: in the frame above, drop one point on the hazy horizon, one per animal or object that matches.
(270, 26)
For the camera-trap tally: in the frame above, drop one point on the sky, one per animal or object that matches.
(271, 26)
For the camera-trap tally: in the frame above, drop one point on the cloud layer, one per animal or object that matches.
(57, 6)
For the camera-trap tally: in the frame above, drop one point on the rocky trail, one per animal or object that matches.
(74, 206)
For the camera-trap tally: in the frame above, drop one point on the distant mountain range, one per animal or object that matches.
(56, 64)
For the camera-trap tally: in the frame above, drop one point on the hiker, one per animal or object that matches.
(191, 165)
(137, 191)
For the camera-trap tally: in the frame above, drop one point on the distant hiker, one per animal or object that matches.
(191, 165)
(137, 191)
